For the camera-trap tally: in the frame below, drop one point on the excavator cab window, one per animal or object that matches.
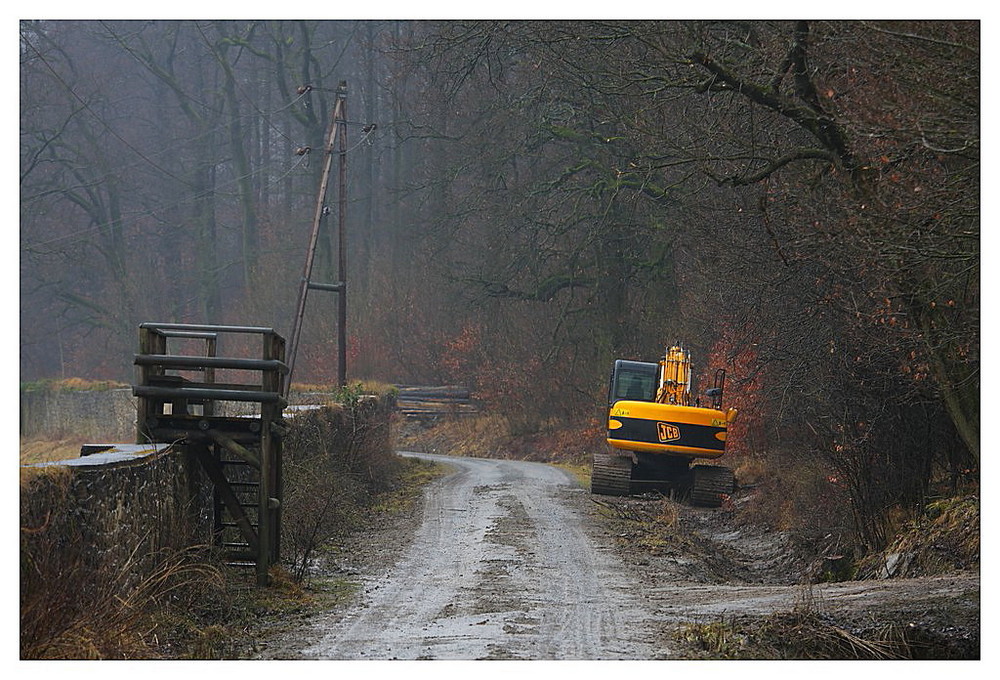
(633, 380)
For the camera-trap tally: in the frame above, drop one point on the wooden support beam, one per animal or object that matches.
(150, 342)
(234, 448)
(218, 477)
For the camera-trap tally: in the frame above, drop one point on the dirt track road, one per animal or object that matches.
(501, 567)
(509, 560)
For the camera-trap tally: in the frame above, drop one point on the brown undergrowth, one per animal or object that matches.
(82, 603)
(806, 635)
(495, 436)
(945, 537)
(337, 459)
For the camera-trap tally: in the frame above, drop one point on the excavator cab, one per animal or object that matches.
(633, 380)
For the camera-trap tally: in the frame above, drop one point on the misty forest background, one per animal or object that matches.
(797, 202)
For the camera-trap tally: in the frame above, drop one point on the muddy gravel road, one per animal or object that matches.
(512, 560)
(501, 567)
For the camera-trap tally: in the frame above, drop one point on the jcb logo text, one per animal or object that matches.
(668, 432)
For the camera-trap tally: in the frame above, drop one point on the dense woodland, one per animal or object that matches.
(798, 202)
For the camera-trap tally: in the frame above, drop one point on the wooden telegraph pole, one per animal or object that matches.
(341, 245)
(337, 131)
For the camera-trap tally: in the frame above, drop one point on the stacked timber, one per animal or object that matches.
(425, 403)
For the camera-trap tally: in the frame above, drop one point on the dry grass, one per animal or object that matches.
(653, 528)
(801, 635)
(580, 471)
(364, 386)
(482, 436)
(492, 435)
(413, 476)
(82, 613)
(73, 384)
(751, 470)
(791, 493)
(44, 450)
(945, 537)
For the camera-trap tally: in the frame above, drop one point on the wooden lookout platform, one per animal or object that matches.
(228, 411)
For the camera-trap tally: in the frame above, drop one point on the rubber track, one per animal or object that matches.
(611, 475)
(711, 484)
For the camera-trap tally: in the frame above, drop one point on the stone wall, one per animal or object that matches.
(98, 415)
(107, 415)
(94, 528)
(96, 535)
(121, 508)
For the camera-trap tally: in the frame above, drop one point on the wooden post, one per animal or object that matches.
(264, 489)
(277, 486)
(211, 349)
(150, 342)
(341, 236)
(269, 501)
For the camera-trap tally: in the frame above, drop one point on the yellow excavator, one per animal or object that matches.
(656, 430)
